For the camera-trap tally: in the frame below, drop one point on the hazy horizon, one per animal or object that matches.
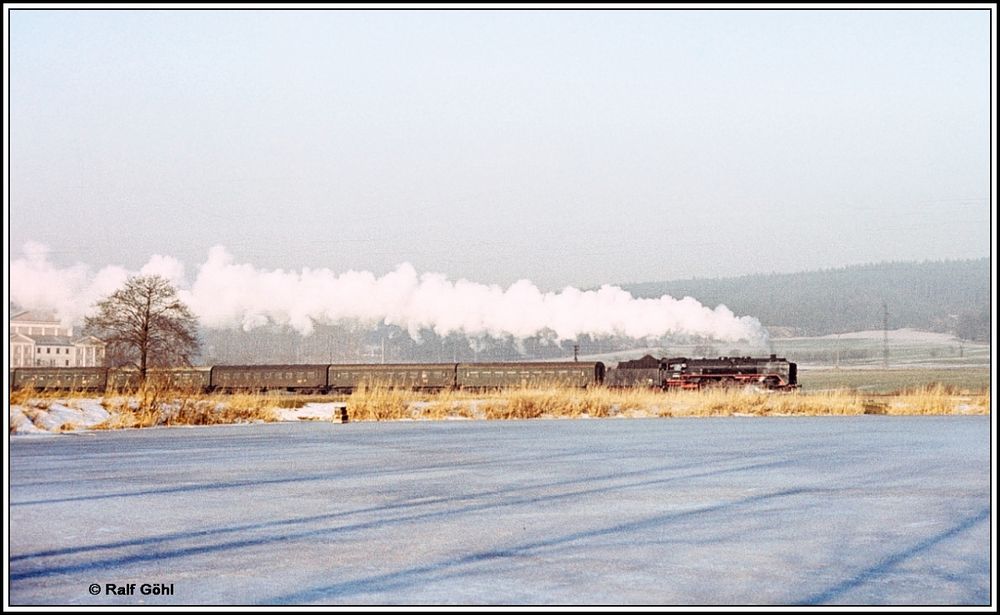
(565, 147)
(180, 270)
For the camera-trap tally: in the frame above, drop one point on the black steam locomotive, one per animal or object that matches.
(666, 373)
(682, 373)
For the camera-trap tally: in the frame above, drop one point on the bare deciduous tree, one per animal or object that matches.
(144, 324)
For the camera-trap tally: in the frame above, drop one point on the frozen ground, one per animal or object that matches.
(55, 416)
(43, 416)
(832, 510)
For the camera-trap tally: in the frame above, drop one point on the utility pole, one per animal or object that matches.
(576, 352)
(885, 335)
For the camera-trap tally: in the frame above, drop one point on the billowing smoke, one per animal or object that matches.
(36, 283)
(226, 294)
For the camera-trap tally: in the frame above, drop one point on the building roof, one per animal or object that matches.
(52, 340)
(56, 340)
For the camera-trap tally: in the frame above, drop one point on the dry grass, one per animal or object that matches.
(221, 410)
(390, 404)
(23, 396)
(572, 403)
(379, 403)
(375, 403)
(601, 403)
(729, 402)
(939, 399)
(154, 406)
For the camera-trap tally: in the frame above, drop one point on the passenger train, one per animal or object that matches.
(678, 373)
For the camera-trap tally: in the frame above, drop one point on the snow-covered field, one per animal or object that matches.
(908, 348)
(806, 510)
(912, 336)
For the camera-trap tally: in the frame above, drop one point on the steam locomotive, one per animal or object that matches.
(682, 373)
(666, 373)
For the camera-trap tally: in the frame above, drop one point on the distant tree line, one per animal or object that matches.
(944, 296)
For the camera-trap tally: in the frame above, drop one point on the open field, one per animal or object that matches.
(876, 380)
(908, 349)
(812, 510)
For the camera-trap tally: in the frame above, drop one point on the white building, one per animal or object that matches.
(37, 339)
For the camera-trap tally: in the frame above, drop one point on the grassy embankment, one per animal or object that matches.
(153, 406)
(387, 404)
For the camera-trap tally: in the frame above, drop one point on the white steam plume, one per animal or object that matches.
(37, 284)
(226, 294)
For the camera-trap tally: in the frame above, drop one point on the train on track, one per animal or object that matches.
(682, 373)
(677, 373)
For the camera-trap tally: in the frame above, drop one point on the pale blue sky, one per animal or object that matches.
(567, 147)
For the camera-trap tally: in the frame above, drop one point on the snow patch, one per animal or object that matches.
(312, 411)
(41, 417)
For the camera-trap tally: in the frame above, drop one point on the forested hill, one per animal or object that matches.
(946, 296)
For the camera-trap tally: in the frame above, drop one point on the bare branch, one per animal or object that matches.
(144, 324)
